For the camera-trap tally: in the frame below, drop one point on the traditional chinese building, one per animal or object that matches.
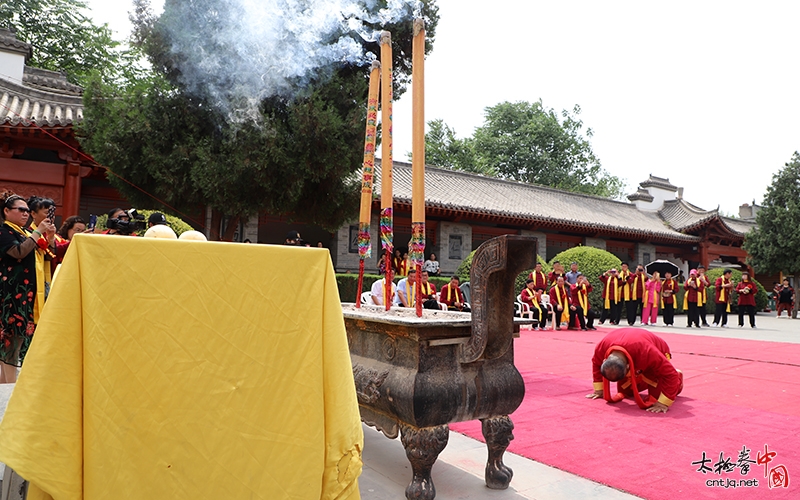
(463, 210)
(39, 153)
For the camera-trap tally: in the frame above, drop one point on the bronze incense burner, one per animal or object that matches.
(415, 375)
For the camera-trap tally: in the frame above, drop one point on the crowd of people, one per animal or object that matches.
(636, 297)
(31, 247)
(404, 293)
(402, 266)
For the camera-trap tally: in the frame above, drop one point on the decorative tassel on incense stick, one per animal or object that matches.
(387, 162)
(368, 176)
(417, 250)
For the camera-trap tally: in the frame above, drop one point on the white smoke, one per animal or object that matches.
(238, 52)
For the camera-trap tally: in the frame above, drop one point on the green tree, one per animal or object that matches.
(444, 149)
(63, 38)
(529, 142)
(774, 245)
(297, 157)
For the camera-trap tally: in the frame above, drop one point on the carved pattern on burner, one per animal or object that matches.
(368, 383)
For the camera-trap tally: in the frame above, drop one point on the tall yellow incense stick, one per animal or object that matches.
(386, 221)
(417, 252)
(368, 175)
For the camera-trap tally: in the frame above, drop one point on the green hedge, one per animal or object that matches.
(736, 276)
(348, 284)
(592, 262)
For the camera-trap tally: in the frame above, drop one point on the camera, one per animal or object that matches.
(134, 223)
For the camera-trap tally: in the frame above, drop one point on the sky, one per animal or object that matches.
(703, 93)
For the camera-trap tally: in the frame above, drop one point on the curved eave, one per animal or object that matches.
(713, 220)
(440, 210)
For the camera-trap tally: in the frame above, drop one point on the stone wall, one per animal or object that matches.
(541, 246)
(455, 244)
(346, 260)
(644, 254)
(594, 243)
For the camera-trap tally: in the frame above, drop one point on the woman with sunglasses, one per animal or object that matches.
(18, 254)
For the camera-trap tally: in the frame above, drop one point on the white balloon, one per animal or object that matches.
(161, 231)
(192, 236)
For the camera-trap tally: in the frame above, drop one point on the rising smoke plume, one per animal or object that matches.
(235, 53)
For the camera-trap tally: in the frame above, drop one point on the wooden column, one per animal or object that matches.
(72, 190)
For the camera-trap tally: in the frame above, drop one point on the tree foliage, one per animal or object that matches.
(774, 245)
(63, 38)
(298, 158)
(527, 142)
(444, 149)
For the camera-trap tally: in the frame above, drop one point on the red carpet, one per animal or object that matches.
(738, 393)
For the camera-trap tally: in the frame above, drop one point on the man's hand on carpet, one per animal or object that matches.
(595, 395)
(658, 408)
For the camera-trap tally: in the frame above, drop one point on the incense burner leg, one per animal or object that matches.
(498, 434)
(422, 449)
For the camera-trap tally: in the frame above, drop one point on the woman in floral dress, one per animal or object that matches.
(18, 248)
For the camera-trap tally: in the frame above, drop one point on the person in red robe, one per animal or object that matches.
(723, 286)
(633, 304)
(558, 271)
(652, 361)
(669, 288)
(612, 296)
(561, 302)
(703, 286)
(747, 299)
(539, 278)
(531, 296)
(453, 297)
(692, 299)
(581, 311)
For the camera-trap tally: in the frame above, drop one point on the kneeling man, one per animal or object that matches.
(652, 363)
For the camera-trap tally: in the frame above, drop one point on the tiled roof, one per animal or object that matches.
(659, 182)
(537, 205)
(43, 98)
(10, 43)
(641, 194)
(684, 216)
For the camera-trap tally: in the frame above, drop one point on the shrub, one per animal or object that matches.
(736, 277)
(176, 223)
(592, 262)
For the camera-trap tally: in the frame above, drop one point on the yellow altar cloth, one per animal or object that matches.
(169, 369)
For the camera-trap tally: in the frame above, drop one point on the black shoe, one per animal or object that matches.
(698, 326)
(585, 329)
(558, 328)
(705, 325)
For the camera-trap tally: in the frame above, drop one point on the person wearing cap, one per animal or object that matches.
(747, 299)
(155, 219)
(692, 299)
(651, 358)
(572, 276)
(612, 297)
(292, 238)
(722, 301)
